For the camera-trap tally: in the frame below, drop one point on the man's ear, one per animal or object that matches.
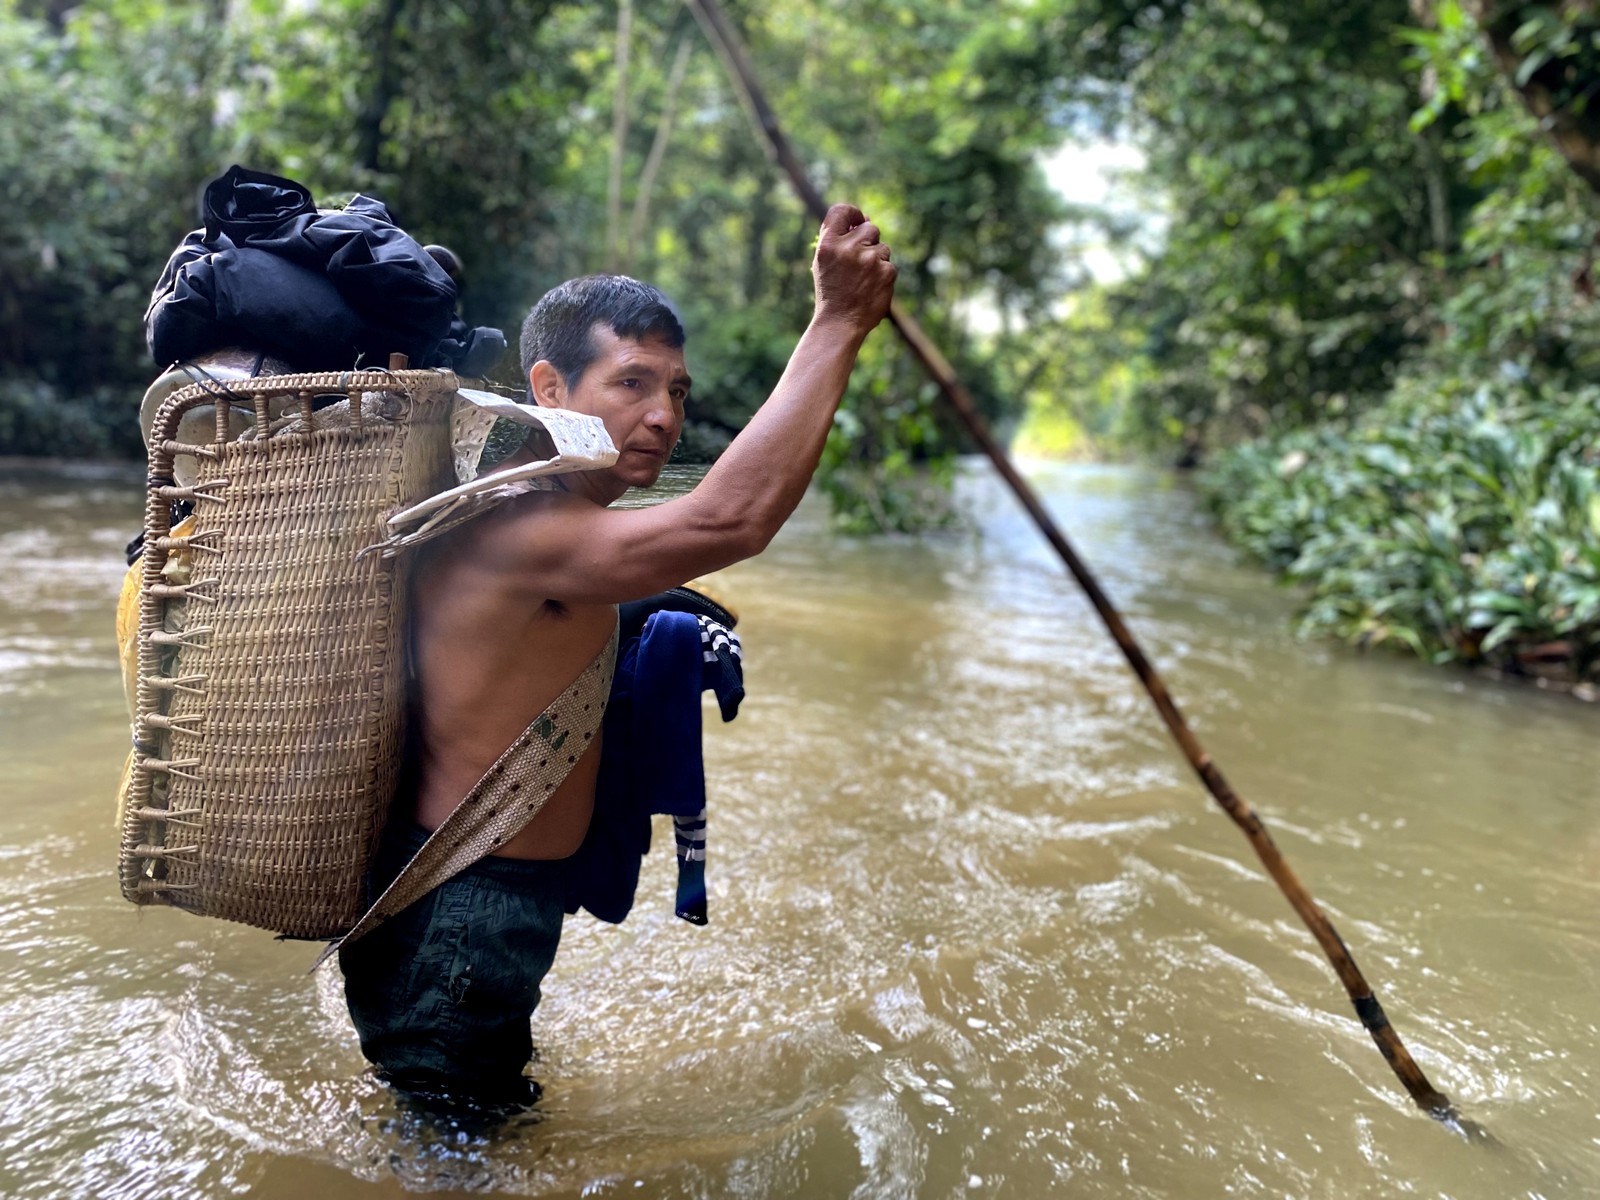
(549, 390)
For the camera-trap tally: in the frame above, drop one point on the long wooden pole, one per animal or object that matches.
(1428, 1098)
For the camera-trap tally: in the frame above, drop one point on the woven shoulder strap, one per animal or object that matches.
(507, 796)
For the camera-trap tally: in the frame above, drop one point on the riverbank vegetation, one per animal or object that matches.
(1461, 522)
(1370, 313)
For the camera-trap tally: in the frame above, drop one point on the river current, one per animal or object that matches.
(974, 928)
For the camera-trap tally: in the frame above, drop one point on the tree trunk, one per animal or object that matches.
(1437, 184)
(658, 152)
(384, 88)
(755, 259)
(1574, 126)
(619, 134)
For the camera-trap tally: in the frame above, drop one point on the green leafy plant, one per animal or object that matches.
(1463, 524)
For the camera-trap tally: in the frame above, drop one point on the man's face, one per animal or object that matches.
(638, 388)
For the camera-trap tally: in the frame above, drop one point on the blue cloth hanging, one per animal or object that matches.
(651, 761)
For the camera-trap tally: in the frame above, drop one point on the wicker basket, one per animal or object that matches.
(269, 722)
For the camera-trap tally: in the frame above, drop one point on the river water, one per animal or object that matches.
(975, 930)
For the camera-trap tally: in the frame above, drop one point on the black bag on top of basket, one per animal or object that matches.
(324, 290)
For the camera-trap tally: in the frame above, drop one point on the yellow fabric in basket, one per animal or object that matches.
(128, 641)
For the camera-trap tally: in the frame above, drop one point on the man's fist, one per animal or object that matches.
(855, 279)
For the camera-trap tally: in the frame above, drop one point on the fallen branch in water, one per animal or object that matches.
(1428, 1098)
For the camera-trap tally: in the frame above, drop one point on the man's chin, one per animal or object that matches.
(642, 474)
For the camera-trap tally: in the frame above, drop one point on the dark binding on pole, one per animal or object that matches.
(1428, 1098)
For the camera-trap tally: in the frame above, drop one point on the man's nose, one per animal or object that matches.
(663, 414)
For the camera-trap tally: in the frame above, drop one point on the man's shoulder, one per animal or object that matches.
(549, 502)
(505, 539)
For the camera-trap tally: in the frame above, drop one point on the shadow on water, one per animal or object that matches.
(974, 930)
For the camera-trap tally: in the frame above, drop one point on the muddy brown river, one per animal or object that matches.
(975, 930)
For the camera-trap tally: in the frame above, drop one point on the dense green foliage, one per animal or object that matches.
(489, 125)
(1462, 522)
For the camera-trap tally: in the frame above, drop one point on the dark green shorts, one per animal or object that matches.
(441, 993)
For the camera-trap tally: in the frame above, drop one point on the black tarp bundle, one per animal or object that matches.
(323, 291)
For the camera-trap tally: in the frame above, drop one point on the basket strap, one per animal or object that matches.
(508, 795)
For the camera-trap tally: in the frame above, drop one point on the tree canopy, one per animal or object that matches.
(492, 126)
(1349, 193)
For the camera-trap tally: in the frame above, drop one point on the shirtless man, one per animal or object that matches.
(509, 609)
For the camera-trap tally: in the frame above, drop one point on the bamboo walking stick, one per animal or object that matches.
(1428, 1098)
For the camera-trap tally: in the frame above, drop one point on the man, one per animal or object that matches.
(513, 607)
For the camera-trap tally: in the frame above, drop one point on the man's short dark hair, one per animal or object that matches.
(559, 328)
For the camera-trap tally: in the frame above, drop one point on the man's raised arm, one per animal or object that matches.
(570, 549)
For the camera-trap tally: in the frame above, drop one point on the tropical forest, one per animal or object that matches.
(1286, 313)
